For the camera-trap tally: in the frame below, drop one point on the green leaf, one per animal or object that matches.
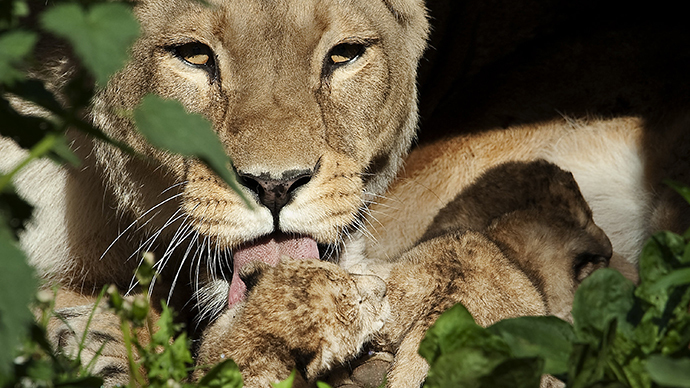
(101, 35)
(587, 366)
(166, 125)
(547, 337)
(82, 382)
(515, 373)
(662, 253)
(321, 384)
(224, 375)
(601, 298)
(17, 288)
(462, 368)
(675, 278)
(459, 351)
(669, 371)
(172, 362)
(454, 320)
(15, 46)
(166, 326)
(456, 329)
(664, 276)
(11, 11)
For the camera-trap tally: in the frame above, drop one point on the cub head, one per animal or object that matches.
(313, 100)
(535, 213)
(302, 314)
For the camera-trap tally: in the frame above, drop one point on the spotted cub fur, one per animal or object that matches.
(306, 315)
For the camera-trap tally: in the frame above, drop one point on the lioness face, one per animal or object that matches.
(314, 101)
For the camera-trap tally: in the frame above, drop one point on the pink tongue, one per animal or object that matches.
(268, 249)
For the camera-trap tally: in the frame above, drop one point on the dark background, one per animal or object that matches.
(495, 63)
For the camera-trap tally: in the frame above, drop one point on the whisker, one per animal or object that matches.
(174, 282)
(147, 246)
(181, 235)
(173, 186)
(370, 216)
(198, 262)
(135, 222)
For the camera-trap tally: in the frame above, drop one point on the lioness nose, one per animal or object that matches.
(275, 193)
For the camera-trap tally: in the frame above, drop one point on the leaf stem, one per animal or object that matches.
(134, 373)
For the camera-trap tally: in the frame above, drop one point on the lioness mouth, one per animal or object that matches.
(268, 249)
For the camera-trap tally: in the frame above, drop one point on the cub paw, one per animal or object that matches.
(302, 314)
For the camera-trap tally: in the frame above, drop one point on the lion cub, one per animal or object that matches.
(517, 242)
(307, 315)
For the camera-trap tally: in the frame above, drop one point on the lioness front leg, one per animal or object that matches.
(80, 328)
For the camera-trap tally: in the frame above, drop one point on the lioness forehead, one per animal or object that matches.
(263, 22)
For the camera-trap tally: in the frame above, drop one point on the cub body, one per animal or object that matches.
(523, 255)
(302, 314)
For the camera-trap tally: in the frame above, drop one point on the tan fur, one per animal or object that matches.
(524, 255)
(618, 168)
(323, 318)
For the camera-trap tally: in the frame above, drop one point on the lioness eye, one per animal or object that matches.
(345, 53)
(195, 54)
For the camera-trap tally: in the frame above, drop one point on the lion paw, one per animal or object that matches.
(101, 349)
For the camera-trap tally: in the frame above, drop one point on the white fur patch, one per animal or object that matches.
(42, 183)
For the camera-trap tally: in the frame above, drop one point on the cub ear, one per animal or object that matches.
(252, 273)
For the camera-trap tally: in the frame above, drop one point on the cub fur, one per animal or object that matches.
(525, 254)
(302, 314)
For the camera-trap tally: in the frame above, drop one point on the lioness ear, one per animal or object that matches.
(252, 273)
